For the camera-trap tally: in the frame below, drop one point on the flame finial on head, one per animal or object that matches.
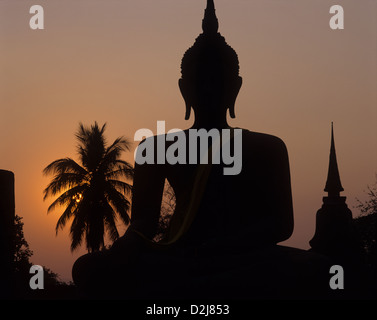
(210, 23)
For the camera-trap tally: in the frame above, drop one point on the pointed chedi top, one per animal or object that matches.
(210, 24)
(333, 184)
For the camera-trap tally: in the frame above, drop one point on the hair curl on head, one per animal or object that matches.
(210, 53)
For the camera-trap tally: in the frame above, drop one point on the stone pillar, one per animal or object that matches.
(7, 215)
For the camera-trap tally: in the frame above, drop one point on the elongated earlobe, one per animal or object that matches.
(188, 111)
(237, 87)
(185, 94)
(231, 111)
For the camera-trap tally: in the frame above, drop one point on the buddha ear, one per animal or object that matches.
(185, 91)
(235, 90)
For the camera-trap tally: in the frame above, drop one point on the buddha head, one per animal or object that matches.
(210, 79)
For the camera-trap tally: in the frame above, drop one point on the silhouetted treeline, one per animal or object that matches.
(54, 288)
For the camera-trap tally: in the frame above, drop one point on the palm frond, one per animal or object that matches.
(92, 145)
(66, 197)
(80, 223)
(121, 144)
(66, 215)
(120, 203)
(110, 222)
(113, 153)
(77, 231)
(120, 169)
(85, 133)
(64, 181)
(121, 186)
(65, 165)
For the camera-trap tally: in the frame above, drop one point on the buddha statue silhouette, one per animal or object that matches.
(221, 222)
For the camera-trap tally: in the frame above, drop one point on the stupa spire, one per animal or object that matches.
(210, 23)
(335, 234)
(333, 184)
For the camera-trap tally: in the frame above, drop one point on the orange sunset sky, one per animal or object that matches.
(119, 62)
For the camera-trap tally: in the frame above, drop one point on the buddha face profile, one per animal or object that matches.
(210, 79)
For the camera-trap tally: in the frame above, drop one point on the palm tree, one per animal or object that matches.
(92, 193)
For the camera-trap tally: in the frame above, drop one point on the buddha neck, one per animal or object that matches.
(209, 121)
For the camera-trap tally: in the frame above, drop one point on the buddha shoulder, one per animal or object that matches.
(252, 141)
